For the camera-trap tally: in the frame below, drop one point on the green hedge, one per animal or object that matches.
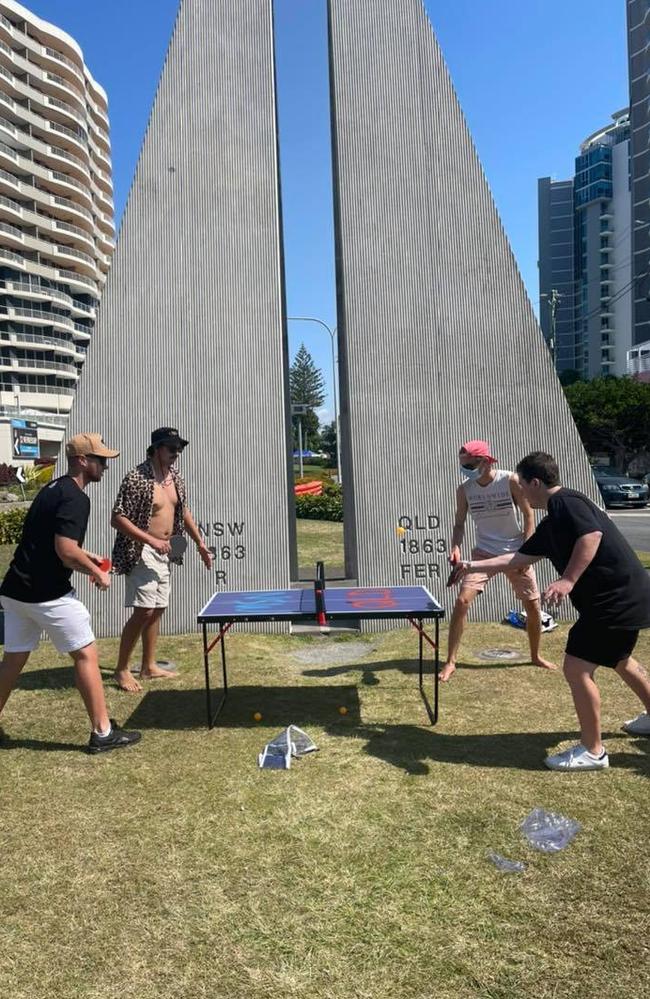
(11, 525)
(329, 506)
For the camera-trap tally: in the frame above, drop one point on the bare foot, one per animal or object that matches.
(543, 663)
(156, 673)
(447, 672)
(125, 680)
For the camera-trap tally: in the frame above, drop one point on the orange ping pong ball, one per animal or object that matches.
(401, 530)
(343, 710)
(257, 716)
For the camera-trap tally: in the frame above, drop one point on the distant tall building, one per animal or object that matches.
(585, 256)
(56, 222)
(638, 44)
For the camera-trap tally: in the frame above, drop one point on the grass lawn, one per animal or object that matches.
(178, 869)
(320, 539)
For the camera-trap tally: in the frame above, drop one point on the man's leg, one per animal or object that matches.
(631, 672)
(130, 635)
(89, 684)
(10, 669)
(586, 698)
(464, 601)
(150, 632)
(534, 628)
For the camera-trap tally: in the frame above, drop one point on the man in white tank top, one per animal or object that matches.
(493, 498)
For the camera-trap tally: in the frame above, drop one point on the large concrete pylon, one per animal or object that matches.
(192, 329)
(438, 341)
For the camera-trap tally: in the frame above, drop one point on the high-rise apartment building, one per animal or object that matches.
(56, 223)
(585, 242)
(638, 39)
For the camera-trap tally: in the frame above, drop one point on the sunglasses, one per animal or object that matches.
(102, 459)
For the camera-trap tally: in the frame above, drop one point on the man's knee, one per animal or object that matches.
(464, 601)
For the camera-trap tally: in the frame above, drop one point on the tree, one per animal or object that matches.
(328, 443)
(612, 415)
(307, 387)
(306, 381)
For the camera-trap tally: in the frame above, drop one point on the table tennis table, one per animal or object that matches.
(411, 603)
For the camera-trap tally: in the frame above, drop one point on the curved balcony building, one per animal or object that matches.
(56, 214)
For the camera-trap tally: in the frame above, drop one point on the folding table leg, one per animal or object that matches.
(224, 626)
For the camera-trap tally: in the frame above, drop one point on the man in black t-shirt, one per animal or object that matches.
(37, 594)
(606, 584)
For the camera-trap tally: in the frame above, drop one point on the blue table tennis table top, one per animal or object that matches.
(382, 602)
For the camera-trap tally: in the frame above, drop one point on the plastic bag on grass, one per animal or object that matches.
(290, 742)
(505, 865)
(548, 831)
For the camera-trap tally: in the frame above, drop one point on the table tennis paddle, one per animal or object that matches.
(177, 545)
(105, 564)
(455, 574)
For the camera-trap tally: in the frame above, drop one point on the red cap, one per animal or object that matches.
(478, 449)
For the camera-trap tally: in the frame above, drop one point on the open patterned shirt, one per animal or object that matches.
(135, 502)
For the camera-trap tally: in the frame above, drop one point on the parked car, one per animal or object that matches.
(620, 490)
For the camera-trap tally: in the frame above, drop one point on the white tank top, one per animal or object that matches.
(494, 513)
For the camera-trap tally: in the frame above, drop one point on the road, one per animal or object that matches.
(635, 526)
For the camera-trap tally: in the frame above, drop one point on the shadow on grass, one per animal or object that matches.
(407, 667)
(279, 706)
(7, 743)
(51, 678)
(412, 749)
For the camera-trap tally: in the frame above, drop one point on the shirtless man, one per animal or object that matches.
(494, 499)
(150, 511)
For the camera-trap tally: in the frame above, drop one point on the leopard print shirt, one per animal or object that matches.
(135, 501)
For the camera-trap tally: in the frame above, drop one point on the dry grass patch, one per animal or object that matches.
(320, 540)
(178, 869)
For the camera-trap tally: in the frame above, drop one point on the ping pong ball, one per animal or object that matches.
(401, 530)
(257, 716)
(343, 710)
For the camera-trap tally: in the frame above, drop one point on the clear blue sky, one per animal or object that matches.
(534, 77)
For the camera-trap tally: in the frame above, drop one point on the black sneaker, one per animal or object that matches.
(116, 738)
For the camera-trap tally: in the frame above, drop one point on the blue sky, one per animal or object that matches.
(534, 77)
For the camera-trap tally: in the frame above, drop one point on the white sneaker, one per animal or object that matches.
(577, 758)
(639, 725)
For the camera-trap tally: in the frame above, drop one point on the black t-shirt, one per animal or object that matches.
(36, 572)
(614, 590)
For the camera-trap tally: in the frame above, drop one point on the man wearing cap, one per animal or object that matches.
(37, 595)
(493, 497)
(151, 517)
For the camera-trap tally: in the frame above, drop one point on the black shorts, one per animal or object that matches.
(603, 646)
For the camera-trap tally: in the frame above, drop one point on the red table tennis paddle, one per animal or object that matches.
(105, 564)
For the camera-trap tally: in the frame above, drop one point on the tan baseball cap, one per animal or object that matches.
(85, 444)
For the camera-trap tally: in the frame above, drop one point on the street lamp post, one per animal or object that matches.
(332, 333)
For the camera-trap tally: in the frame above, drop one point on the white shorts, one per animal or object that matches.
(147, 585)
(65, 621)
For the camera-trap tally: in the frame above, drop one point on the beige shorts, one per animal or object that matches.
(147, 585)
(523, 581)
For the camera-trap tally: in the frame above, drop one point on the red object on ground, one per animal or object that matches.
(309, 488)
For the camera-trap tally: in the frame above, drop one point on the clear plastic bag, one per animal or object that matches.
(505, 865)
(548, 831)
(290, 742)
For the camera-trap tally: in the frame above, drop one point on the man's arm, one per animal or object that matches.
(513, 560)
(583, 554)
(458, 532)
(193, 531)
(74, 557)
(520, 500)
(125, 526)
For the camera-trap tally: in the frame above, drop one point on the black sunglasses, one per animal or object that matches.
(101, 458)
